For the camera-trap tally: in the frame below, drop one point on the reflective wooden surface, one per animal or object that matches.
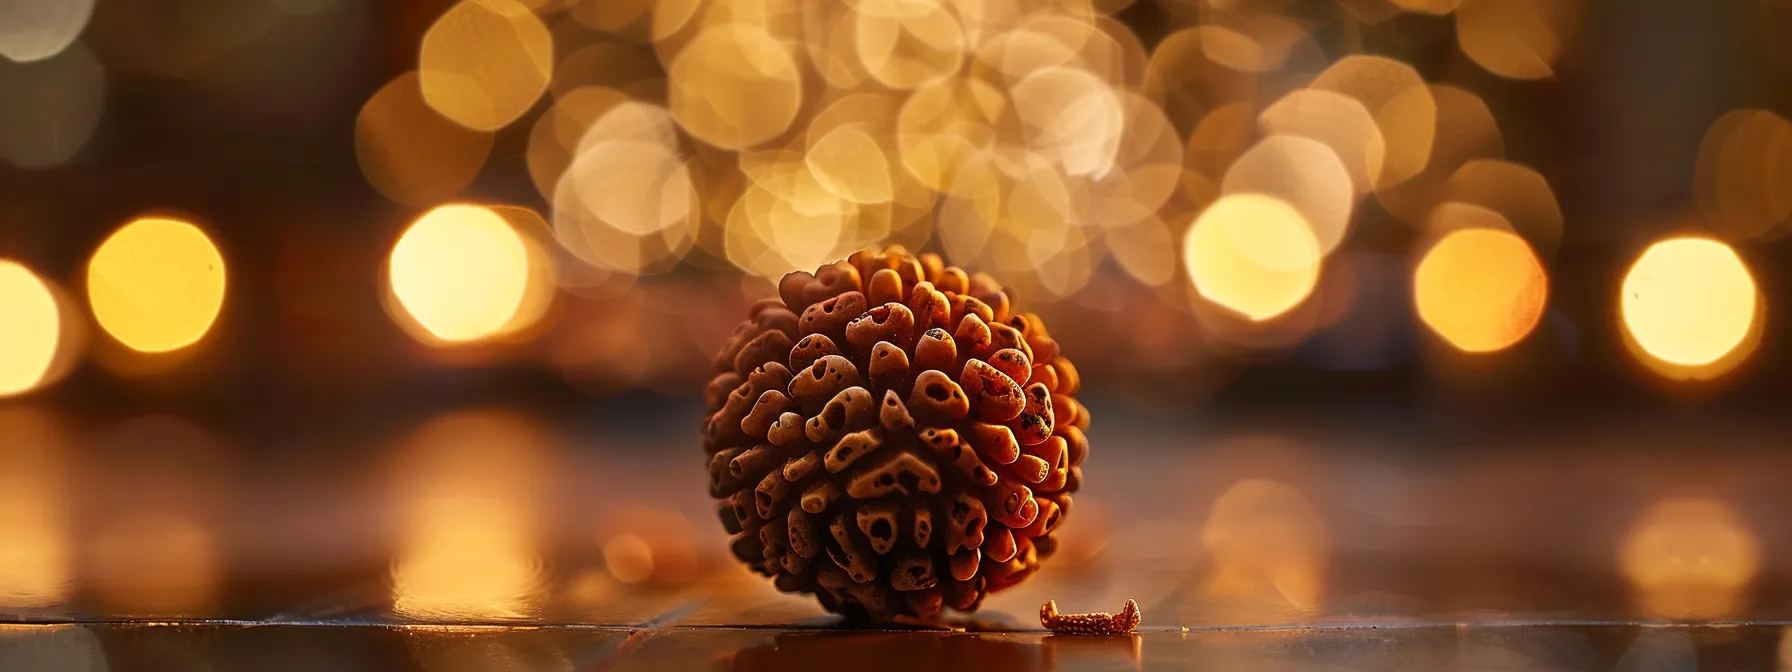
(490, 538)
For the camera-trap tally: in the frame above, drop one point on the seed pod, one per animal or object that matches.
(891, 436)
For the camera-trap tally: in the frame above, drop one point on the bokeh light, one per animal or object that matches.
(1339, 121)
(1518, 39)
(460, 271)
(1516, 192)
(628, 202)
(55, 105)
(1480, 289)
(1267, 544)
(653, 546)
(1689, 558)
(1253, 255)
(485, 62)
(33, 30)
(1743, 178)
(409, 152)
(1402, 106)
(36, 545)
(33, 330)
(469, 498)
(156, 285)
(905, 43)
(1303, 173)
(1688, 302)
(735, 86)
(1465, 130)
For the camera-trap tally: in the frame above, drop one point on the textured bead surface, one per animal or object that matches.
(890, 438)
(1093, 623)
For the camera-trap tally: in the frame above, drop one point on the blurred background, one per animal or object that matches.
(1386, 309)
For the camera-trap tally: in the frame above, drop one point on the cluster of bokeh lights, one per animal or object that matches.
(1044, 142)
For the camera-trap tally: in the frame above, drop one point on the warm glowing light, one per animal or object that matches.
(411, 153)
(469, 489)
(1516, 192)
(1689, 558)
(1072, 118)
(851, 165)
(557, 132)
(33, 329)
(1688, 301)
(1743, 178)
(1256, 42)
(33, 30)
(1433, 7)
(35, 548)
(461, 272)
(1339, 121)
(1403, 108)
(1145, 249)
(53, 105)
(1519, 39)
(1266, 541)
(541, 289)
(1465, 130)
(628, 202)
(1482, 290)
(485, 62)
(629, 558)
(156, 285)
(735, 86)
(1303, 173)
(905, 43)
(1252, 254)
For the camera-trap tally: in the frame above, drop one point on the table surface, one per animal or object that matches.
(491, 538)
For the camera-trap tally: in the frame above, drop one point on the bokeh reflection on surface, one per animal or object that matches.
(1421, 333)
(470, 516)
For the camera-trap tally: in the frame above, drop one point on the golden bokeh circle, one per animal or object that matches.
(1743, 178)
(461, 272)
(409, 152)
(1303, 173)
(33, 332)
(1253, 255)
(1481, 290)
(485, 62)
(735, 86)
(1688, 302)
(156, 285)
(1403, 108)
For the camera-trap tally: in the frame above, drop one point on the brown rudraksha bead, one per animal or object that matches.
(891, 436)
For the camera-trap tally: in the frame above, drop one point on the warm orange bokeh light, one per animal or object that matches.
(468, 492)
(1252, 254)
(461, 272)
(156, 285)
(485, 62)
(33, 330)
(410, 152)
(1482, 290)
(1402, 106)
(735, 86)
(1304, 173)
(1267, 542)
(36, 549)
(1688, 302)
(1689, 558)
